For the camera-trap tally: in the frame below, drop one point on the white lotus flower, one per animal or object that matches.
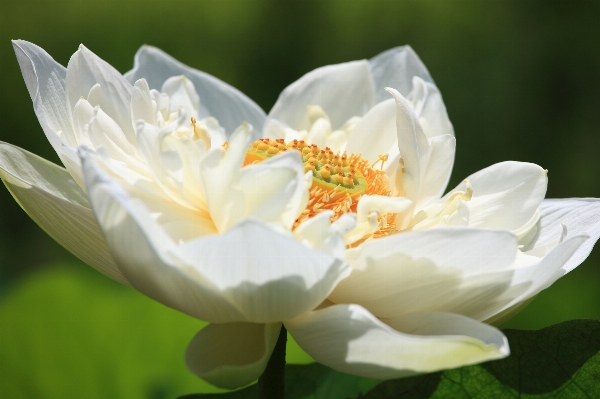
(333, 223)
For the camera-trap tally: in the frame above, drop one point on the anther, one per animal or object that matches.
(339, 178)
(262, 146)
(325, 172)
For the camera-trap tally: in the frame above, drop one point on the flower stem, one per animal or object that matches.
(271, 384)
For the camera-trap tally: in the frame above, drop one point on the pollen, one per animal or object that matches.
(339, 180)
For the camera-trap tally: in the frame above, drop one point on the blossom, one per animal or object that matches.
(327, 215)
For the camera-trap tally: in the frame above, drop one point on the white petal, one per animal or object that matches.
(375, 134)
(429, 106)
(579, 215)
(218, 99)
(182, 94)
(437, 169)
(142, 106)
(319, 233)
(426, 271)
(341, 90)
(105, 132)
(275, 190)
(82, 114)
(56, 203)
(413, 146)
(368, 210)
(84, 71)
(220, 175)
(45, 80)
(139, 247)
(349, 339)
(231, 355)
(251, 273)
(530, 278)
(505, 195)
(269, 277)
(396, 68)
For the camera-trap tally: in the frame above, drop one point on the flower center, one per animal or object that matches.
(339, 180)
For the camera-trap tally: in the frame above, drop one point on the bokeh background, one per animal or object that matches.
(520, 79)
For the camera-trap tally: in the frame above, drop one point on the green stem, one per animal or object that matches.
(271, 384)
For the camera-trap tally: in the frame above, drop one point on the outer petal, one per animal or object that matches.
(45, 80)
(232, 355)
(140, 248)
(396, 68)
(505, 195)
(426, 271)
(579, 215)
(531, 276)
(230, 106)
(267, 276)
(350, 339)
(84, 71)
(250, 273)
(342, 90)
(56, 203)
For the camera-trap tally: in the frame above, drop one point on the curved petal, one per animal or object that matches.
(220, 175)
(413, 146)
(438, 168)
(142, 106)
(231, 355)
(348, 338)
(319, 233)
(140, 249)
(531, 276)
(56, 203)
(269, 277)
(86, 70)
(429, 107)
(505, 195)
(182, 94)
(579, 215)
(341, 90)
(45, 81)
(218, 99)
(250, 273)
(396, 68)
(428, 270)
(375, 134)
(275, 189)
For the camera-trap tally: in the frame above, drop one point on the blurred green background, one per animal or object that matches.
(520, 80)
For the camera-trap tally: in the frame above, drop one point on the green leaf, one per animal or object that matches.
(66, 331)
(560, 361)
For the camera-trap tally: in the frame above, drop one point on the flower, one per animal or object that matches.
(327, 215)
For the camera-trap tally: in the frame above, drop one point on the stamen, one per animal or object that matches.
(339, 180)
